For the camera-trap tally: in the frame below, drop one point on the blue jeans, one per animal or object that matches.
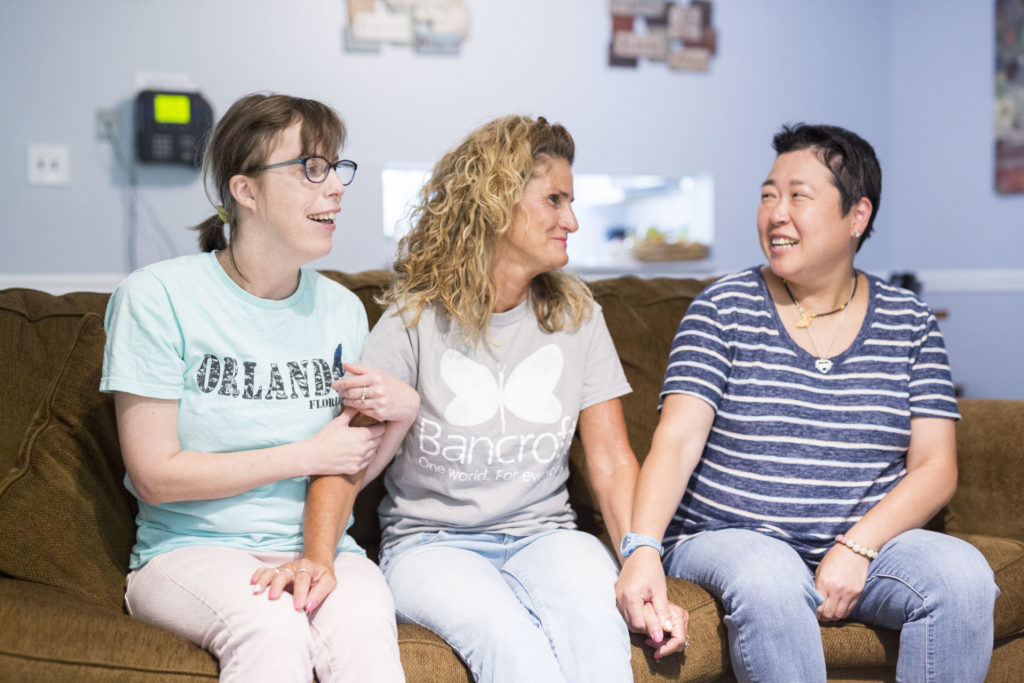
(515, 608)
(936, 590)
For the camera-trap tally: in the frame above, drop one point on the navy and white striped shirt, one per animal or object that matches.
(794, 453)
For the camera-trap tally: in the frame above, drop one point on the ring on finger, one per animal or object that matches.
(302, 569)
(362, 399)
(276, 570)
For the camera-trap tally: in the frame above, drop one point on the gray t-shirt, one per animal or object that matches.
(489, 449)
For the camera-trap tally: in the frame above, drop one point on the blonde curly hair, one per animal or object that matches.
(446, 260)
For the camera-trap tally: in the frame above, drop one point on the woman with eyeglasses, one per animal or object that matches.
(221, 365)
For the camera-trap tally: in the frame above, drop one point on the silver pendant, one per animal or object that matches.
(823, 365)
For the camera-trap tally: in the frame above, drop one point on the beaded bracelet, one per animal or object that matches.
(864, 551)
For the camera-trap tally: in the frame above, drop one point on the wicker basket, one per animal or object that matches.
(645, 250)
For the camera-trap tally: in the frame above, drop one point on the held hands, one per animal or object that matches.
(311, 582)
(377, 394)
(840, 580)
(343, 448)
(642, 599)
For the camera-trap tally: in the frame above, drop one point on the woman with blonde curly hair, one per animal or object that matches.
(509, 353)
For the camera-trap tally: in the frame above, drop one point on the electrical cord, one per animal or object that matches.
(132, 200)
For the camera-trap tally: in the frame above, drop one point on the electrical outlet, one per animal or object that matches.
(105, 120)
(49, 165)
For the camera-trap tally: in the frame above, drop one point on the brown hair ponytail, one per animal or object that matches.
(211, 234)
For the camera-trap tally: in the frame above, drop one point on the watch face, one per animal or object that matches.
(625, 545)
(629, 544)
(632, 541)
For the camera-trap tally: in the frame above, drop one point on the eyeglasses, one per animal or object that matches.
(317, 168)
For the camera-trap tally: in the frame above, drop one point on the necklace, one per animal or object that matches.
(822, 363)
(807, 318)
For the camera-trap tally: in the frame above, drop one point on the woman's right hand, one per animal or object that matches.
(642, 599)
(340, 448)
(377, 394)
(311, 582)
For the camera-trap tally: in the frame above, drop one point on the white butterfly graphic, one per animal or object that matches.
(526, 392)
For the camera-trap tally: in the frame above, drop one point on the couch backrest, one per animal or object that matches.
(642, 316)
(68, 519)
(39, 329)
(35, 330)
(63, 505)
(990, 453)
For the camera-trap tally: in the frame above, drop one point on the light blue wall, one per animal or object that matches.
(914, 77)
(778, 62)
(939, 182)
(939, 194)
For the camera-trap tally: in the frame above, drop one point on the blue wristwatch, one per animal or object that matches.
(631, 542)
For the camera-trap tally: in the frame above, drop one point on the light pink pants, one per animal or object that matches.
(203, 593)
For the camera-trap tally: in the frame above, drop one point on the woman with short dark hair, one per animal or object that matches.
(806, 436)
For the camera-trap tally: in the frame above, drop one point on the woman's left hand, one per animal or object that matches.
(377, 394)
(311, 582)
(840, 580)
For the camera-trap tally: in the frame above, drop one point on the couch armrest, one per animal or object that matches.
(990, 455)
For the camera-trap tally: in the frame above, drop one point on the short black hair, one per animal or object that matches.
(855, 169)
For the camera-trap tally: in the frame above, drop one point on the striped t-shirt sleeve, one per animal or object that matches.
(931, 383)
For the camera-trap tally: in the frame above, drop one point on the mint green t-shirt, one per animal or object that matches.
(247, 373)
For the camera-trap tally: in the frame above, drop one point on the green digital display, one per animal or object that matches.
(172, 109)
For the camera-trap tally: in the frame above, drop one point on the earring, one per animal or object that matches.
(857, 234)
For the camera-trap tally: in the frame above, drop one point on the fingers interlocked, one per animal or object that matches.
(667, 631)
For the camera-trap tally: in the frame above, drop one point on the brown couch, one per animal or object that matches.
(67, 520)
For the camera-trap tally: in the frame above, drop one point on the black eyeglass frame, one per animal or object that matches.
(340, 163)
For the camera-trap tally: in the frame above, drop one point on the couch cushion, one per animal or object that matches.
(366, 527)
(1007, 661)
(35, 330)
(50, 634)
(69, 521)
(847, 645)
(427, 657)
(642, 317)
(1006, 557)
(990, 490)
(367, 285)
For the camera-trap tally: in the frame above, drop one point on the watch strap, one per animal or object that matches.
(632, 541)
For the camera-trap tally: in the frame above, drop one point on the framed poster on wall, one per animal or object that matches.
(1009, 96)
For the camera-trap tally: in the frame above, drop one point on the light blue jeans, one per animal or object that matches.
(936, 590)
(537, 608)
